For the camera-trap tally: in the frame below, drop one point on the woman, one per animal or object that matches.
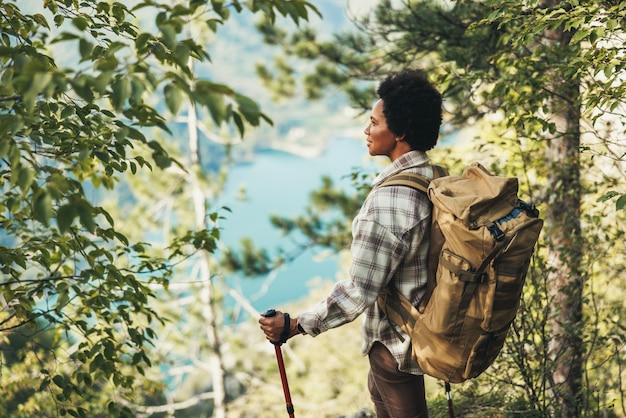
(389, 247)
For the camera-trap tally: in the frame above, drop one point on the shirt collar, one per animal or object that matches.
(405, 161)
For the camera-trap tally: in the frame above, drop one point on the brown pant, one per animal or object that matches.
(395, 394)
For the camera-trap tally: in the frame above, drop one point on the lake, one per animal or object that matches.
(277, 182)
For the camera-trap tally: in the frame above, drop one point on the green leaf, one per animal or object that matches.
(136, 134)
(52, 6)
(173, 97)
(137, 90)
(85, 214)
(182, 53)
(83, 91)
(169, 35)
(41, 20)
(121, 90)
(162, 160)
(65, 217)
(44, 385)
(42, 206)
(80, 23)
(216, 105)
(607, 196)
(621, 202)
(206, 87)
(39, 82)
(611, 24)
(59, 381)
(249, 109)
(96, 363)
(85, 47)
(239, 123)
(142, 40)
(62, 299)
(5, 144)
(14, 156)
(25, 178)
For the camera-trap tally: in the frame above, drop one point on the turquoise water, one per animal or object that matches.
(280, 183)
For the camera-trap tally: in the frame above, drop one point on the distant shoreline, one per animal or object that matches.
(299, 150)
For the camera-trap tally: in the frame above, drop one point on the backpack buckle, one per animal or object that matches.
(472, 277)
(496, 232)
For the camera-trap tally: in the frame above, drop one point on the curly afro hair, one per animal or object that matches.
(412, 107)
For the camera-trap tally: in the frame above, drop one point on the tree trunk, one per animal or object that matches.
(563, 232)
(216, 363)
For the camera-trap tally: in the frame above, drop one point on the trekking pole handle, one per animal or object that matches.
(281, 369)
(268, 314)
(284, 336)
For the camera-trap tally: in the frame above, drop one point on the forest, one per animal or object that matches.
(120, 122)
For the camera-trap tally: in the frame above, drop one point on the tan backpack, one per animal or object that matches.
(482, 238)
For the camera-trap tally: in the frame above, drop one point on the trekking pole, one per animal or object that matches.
(281, 365)
(449, 396)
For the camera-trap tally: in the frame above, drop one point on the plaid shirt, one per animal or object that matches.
(390, 244)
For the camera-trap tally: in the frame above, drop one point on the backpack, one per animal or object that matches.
(481, 240)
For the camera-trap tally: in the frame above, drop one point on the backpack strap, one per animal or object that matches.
(395, 305)
(421, 183)
(439, 171)
(414, 180)
(398, 310)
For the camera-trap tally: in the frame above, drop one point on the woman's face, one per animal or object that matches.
(380, 140)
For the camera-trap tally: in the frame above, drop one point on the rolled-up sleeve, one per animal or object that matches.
(376, 253)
